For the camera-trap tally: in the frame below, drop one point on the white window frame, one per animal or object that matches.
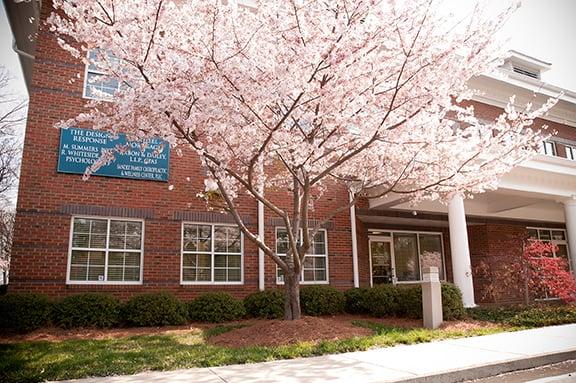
(553, 146)
(570, 152)
(380, 237)
(212, 254)
(302, 282)
(86, 84)
(554, 242)
(106, 250)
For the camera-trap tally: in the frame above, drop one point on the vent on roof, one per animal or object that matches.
(526, 72)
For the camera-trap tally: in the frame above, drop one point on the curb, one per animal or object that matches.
(489, 370)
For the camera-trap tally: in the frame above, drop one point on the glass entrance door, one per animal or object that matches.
(381, 261)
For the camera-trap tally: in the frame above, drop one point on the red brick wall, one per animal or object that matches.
(555, 129)
(41, 239)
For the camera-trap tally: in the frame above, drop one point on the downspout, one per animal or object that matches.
(261, 271)
(354, 243)
(260, 251)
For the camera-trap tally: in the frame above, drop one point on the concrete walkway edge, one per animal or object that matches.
(494, 369)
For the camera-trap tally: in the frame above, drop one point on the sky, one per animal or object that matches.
(544, 29)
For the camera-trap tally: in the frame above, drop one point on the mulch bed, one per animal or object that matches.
(278, 332)
(254, 333)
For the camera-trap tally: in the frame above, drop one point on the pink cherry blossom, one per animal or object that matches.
(296, 95)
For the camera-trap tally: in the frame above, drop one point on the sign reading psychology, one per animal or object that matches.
(80, 148)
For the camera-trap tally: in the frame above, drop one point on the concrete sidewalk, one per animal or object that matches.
(444, 361)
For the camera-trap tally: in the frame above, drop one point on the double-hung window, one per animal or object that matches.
(549, 148)
(98, 85)
(571, 152)
(211, 254)
(315, 265)
(105, 250)
(554, 236)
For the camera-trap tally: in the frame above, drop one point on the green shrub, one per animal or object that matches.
(87, 310)
(154, 309)
(544, 316)
(500, 314)
(357, 300)
(452, 306)
(216, 308)
(24, 312)
(401, 300)
(409, 301)
(321, 300)
(533, 316)
(268, 304)
(383, 301)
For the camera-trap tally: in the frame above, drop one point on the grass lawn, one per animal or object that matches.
(78, 358)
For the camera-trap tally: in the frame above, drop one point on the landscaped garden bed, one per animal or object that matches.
(58, 349)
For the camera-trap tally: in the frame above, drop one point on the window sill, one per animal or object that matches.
(80, 283)
(183, 283)
(307, 283)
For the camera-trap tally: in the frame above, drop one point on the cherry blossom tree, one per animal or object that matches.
(298, 95)
(12, 117)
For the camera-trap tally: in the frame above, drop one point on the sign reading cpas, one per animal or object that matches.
(80, 148)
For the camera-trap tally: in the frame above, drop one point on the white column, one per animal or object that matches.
(570, 216)
(461, 268)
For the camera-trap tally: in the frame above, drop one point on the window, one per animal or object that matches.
(105, 250)
(411, 253)
(555, 236)
(315, 266)
(549, 148)
(571, 152)
(97, 84)
(558, 238)
(211, 253)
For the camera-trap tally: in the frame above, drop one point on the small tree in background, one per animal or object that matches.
(12, 117)
(296, 96)
(534, 272)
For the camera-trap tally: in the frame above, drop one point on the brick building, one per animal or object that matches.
(127, 233)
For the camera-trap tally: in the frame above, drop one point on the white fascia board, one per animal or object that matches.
(497, 88)
(552, 164)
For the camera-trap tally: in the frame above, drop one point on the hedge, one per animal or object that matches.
(382, 301)
(24, 312)
(401, 301)
(452, 306)
(529, 316)
(154, 309)
(216, 308)
(267, 304)
(87, 310)
(321, 300)
(357, 300)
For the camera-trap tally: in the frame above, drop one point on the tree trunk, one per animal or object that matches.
(292, 296)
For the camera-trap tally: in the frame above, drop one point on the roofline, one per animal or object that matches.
(529, 59)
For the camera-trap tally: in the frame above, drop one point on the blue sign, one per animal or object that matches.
(80, 148)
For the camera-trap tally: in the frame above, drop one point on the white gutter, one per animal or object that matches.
(354, 243)
(21, 52)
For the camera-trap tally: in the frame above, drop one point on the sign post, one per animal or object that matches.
(431, 298)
